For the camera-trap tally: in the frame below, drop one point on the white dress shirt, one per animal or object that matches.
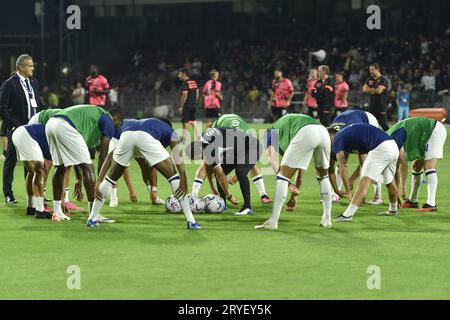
(32, 104)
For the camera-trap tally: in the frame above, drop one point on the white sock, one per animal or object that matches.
(114, 194)
(105, 189)
(339, 181)
(325, 195)
(393, 207)
(90, 205)
(57, 207)
(149, 188)
(66, 194)
(184, 202)
(281, 190)
(40, 204)
(259, 183)
(432, 182)
(31, 202)
(351, 210)
(416, 180)
(196, 186)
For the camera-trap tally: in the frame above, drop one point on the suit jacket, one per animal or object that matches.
(13, 102)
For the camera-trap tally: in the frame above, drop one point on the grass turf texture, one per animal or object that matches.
(149, 254)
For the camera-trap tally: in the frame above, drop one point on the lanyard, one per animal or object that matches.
(29, 89)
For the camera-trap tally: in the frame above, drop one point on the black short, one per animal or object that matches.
(188, 114)
(277, 113)
(213, 113)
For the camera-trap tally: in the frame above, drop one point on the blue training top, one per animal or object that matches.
(37, 132)
(358, 138)
(350, 117)
(158, 129)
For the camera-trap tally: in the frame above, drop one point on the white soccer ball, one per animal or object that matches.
(214, 204)
(172, 205)
(196, 203)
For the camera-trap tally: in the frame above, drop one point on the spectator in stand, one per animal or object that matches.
(341, 90)
(212, 97)
(64, 97)
(428, 82)
(78, 94)
(254, 94)
(281, 95)
(45, 97)
(53, 100)
(97, 87)
(403, 98)
(309, 100)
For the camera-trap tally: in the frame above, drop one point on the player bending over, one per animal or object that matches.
(341, 121)
(382, 154)
(298, 138)
(422, 141)
(232, 121)
(147, 138)
(70, 134)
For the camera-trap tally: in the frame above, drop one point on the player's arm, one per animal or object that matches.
(271, 156)
(380, 89)
(269, 102)
(332, 176)
(103, 151)
(402, 170)
(218, 95)
(177, 158)
(209, 175)
(183, 99)
(342, 162)
(367, 89)
(344, 98)
(222, 180)
(197, 95)
(78, 188)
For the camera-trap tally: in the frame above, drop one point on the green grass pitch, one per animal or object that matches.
(149, 254)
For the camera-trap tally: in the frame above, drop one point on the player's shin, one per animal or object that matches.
(184, 202)
(325, 195)
(432, 180)
(281, 191)
(196, 186)
(105, 188)
(416, 180)
(259, 184)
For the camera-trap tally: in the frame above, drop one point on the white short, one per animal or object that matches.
(434, 149)
(34, 119)
(139, 144)
(310, 141)
(112, 144)
(66, 144)
(27, 148)
(381, 162)
(372, 120)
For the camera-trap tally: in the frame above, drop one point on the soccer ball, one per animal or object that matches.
(214, 204)
(172, 205)
(196, 203)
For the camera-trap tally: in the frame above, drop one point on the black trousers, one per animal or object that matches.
(380, 114)
(326, 115)
(8, 167)
(241, 171)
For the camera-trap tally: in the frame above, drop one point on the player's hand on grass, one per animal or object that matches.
(78, 191)
(233, 200)
(133, 196)
(341, 194)
(290, 206)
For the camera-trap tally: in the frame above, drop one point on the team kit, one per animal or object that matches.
(228, 152)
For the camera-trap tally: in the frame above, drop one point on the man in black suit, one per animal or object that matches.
(19, 101)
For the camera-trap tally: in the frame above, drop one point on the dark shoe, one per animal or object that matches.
(11, 200)
(30, 211)
(409, 204)
(43, 215)
(427, 208)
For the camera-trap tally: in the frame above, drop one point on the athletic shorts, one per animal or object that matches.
(381, 162)
(139, 144)
(67, 145)
(112, 144)
(34, 119)
(372, 120)
(310, 141)
(434, 149)
(27, 148)
(213, 113)
(188, 114)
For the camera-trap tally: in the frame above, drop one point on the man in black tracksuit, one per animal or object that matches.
(324, 93)
(377, 86)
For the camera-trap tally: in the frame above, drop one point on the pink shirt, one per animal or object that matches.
(209, 91)
(310, 100)
(282, 92)
(340, 90)
(100, 83)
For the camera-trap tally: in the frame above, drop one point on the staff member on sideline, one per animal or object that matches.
(19, 101)
(281, 96)
(97, 86)
(212, 97)
(324, 93)
(377, 86)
